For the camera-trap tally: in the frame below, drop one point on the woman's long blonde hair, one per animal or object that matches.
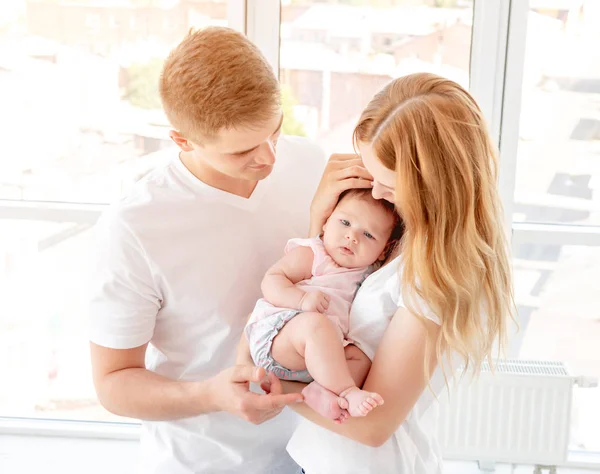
(454, 248)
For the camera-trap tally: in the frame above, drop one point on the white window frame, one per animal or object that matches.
(496, 82)
(497, 61)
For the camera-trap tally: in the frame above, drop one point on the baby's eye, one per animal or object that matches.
(345, 222)
(368, 235)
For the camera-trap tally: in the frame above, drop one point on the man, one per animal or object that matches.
(181, 258)
(180, 261)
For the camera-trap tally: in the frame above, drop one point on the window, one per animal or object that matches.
(81, 114)
(335, 55)
(46, 369)
(556, 206)
(557, 297)
(81, 122)
(558, 163)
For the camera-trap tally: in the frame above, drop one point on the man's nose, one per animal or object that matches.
(266, 153)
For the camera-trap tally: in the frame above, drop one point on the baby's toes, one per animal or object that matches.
(372, 402)
(376, 399)
(344, 415)
(343, 403)
(367, 405)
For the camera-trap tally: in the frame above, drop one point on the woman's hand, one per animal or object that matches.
(343, 171)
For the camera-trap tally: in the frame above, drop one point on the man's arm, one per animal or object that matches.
(279, 284)
(125, 387)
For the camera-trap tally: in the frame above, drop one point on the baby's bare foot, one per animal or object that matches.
(326, 403)
(360, 402)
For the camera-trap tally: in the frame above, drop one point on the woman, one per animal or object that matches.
(444, 295)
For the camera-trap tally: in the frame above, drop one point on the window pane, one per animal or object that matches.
(557, 292)
(45, 369)
(336, 55)
(80, 114)
(558, 167)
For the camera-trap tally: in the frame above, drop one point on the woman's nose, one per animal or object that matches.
(377, 192)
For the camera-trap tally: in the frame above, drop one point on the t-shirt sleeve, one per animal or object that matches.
(394, 288)
(123, 299)
(317, 247)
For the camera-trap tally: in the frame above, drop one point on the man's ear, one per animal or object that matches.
(181, 141)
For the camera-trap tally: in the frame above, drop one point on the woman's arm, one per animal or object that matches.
(397, 374)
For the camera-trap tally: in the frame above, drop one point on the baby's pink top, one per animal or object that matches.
(339, 283)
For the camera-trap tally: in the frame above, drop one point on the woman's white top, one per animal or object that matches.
(412, 449)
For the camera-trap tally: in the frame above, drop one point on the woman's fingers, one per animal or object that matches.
(343, 157)
(354, 172)
(340, 165)
(353, 183)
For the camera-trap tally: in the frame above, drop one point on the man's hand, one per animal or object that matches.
(230, 391)
(316, 301)
(343, 171)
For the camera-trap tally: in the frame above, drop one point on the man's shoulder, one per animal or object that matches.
(144, 200)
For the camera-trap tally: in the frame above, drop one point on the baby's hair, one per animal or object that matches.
(390, 209)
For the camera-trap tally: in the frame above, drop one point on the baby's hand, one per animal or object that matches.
(314, 301)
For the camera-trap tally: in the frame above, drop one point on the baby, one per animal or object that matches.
(299, 329)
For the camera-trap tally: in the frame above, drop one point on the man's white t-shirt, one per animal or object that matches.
(180, 264)
(412, 449)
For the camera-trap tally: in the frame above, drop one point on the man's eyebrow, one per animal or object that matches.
(254, 148)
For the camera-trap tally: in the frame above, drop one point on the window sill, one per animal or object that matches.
(69, 428)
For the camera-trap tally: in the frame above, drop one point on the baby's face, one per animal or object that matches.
(357, 232)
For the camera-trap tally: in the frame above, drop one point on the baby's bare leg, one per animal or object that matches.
(314, 337)
(358, 363)
(310, 341)
(288, 350)
(284, 350)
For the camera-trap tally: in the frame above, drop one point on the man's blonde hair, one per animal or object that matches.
(217, 79)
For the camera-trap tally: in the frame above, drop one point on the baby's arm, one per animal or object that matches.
(279, 284)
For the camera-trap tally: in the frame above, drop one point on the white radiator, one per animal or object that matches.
(520, 414)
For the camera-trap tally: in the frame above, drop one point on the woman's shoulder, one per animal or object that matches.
(381, 288)
(387, 282)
